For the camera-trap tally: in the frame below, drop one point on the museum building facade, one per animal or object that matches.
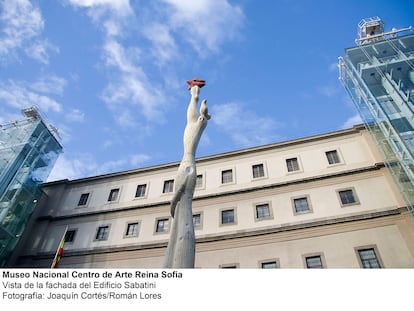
(324, 201)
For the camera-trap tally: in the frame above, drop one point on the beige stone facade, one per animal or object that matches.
(322, 201)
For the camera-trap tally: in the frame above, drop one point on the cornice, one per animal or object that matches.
(173, 165)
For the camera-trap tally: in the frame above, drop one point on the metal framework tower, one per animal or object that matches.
(378, 74)
(28, 151)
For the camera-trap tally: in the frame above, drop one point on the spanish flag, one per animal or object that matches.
(59, 251)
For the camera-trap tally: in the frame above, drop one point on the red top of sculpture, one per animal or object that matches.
(196, 81)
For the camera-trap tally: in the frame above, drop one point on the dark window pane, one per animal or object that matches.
(141, 189)
(197, 220)
(292, 164)
(347, 197)
(258, 170)
(168, 186)
(227, 216)
(226, 176)
(262, 211)
(132, 229)
(102, 233)
(301, 205)
(369, 258)
(162, 225)
(70, 235)
(83, 199)
(332, 157)
(113, 195)
(269, 265)
(313, 262)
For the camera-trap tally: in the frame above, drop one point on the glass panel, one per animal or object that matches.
(313, 262)
(28, 151)
(199, 181)
(292, 164)
(102, 233)
(70, 235)
(162, 225)
(227, 216)
(113, 195)
(369, 258)
(226, 176)
(168, 186)
(83, 199)
(258, 171)
(197, 220)
(269, 265)
(332, 157)
(301, 205)
(347, 197)
(140, 190)
(132, 229)
(262, 211)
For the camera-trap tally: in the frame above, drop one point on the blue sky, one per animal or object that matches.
(110, 74)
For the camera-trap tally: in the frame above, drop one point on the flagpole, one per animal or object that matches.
(59, 251)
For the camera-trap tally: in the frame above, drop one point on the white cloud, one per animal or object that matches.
(164, 47)
(244, 127)
(75, 115)
(354, 120)
(206, 24)
(130, 86)
(85, 165)
(49, 84)
(19, 96)
(119, 7)
(22, 25)
(130, 90)
(73, 168)
(138, 159)
(111, 166)
(39, 50)
(115, 55)
(329, 90)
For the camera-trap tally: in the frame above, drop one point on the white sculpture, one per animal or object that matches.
(181, 247)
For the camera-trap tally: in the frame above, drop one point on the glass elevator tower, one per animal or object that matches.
(378, 74)
(29, 149)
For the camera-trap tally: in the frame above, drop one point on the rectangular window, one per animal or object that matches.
(301, 205)
(227, 176)
(113, 195)
(258, 170)
(199, 181)
(229, 266)
(314, 262)
(227, 216)
(83, 199)
(102, 233)
(132, 229)
(162, 225)
(168, 186)
(141, 190)
(70, 236)
(332, 157)
(197, 220)
(269, 265)
(292, 164)
(368, 258)
(262, 211)
(347, 197)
